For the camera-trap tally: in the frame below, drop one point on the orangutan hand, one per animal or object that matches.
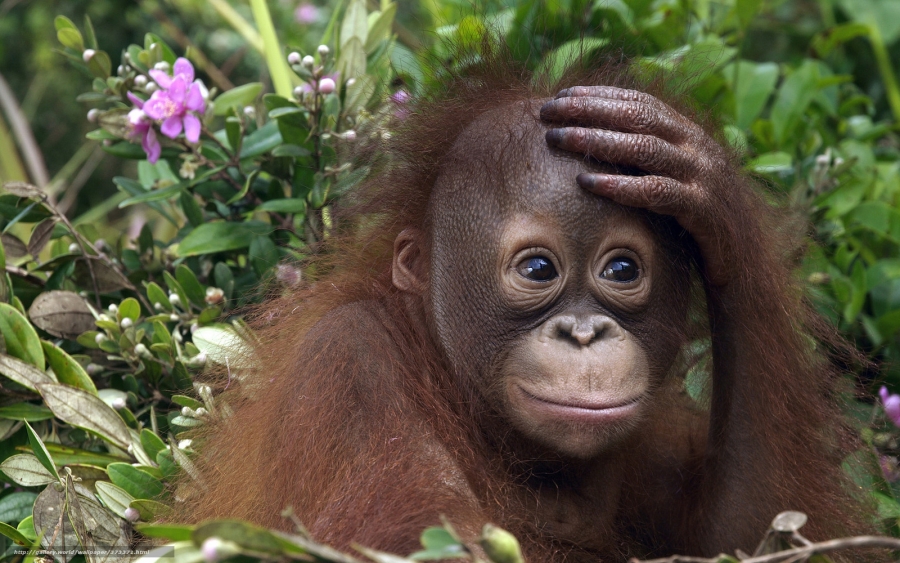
(687, 173)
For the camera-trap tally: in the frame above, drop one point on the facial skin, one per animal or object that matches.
(554, 302)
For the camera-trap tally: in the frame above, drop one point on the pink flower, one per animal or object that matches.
(177, 102)
(400, 98)
(306, 13)
(326, 85)
(891, 405)
(142, 128)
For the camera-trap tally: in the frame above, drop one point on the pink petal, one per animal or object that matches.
(892, 409)
(171, 127)
(191, 127)
(177, 90)
(195, 99)
(135, 100)
(156, 107)
(883, 393)
(151, 146)
(161, 78)
(184, 68)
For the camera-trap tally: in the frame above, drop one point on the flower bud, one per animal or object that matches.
(132, 515)
(74, 247)
(104, 317)
(294, 58)
(120, 70)
(118, 403)
(93, 114)
(194, 328)
(214, 295)
(141, 350)
(113, 308)
(250, 111)
(93, 369)
(100, 338)
(187, 411)
(174, 299)
(351, 82)
(126, 323)
(176, 336)
(350, 135)
(158, 306)
(326, 86)
(197, 361)
(201, 412)
(140, 80)
(298, 92)
(215, 549)
(162, 65)
(323, 50)
(174, 318)
(88, 54)
(499, 545)
(308, 61)
(150, 88)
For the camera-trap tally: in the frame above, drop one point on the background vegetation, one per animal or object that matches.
(118, 275)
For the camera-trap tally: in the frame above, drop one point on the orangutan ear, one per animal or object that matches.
(410, 267)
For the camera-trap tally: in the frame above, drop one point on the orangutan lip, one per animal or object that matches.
(580, 411)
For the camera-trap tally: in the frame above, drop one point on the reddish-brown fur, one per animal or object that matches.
(331, 420)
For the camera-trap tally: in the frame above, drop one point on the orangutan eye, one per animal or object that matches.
(620, 270)
(537, 268)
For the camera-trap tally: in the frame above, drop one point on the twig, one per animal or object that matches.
(34, 160)
(796, 554)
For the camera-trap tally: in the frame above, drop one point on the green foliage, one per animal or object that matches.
(103, 333)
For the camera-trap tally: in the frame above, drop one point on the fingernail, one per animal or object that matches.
(554, 137)
(563, 93)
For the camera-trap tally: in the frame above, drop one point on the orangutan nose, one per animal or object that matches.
(581, 329)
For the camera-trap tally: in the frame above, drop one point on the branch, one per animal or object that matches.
(796, 554)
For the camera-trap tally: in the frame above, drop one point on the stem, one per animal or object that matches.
(887, 71)
(31, 154)
(239, 24)
(278, 69)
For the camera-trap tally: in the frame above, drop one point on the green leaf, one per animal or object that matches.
(355, 24)
(220, 237)
(25, 411)
(794, 96)
(150, 510)
(67, 370)
(151, 443)
(137, 483)
(752, 84)
(286, 205)
(26, 470)
(86, 411)
(71, 38)
(380, 28)
(40, 451)
(220, 342)
(263, 255)
(171, 532)
(13, 534)
(191, 208)
(130, 309)
(771, 163)
(26, 528)
(115, 498)
(246, 535)
(185, 401)
(237, 97)
(24, 374)
(261, 141)
(65, 455)
(21, 339)
(156, 295)
(16, 506)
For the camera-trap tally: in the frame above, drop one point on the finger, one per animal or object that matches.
(658, 194)
(612, 93)
(648, 153)
(618, 115)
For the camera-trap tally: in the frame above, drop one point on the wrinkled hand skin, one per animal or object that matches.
(686, 171)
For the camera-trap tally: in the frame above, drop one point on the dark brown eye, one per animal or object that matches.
(537, 268)
(620, 270)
